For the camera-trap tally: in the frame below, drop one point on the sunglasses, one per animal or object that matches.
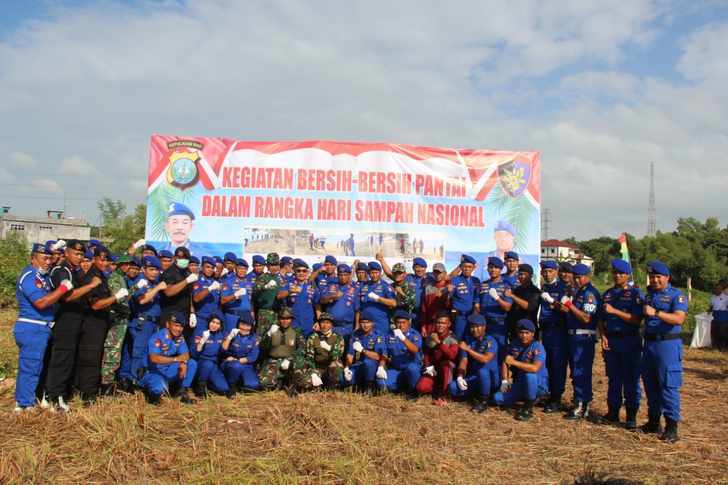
(302, 271)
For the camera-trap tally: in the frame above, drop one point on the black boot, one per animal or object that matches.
(526, 411)
(576, 411)
(153, 399)
(125, 385)
(612, 416)
(652, 426)
(670, 434)
(185, 398)
(631, 421)
(479, 405)
(553, 406)
(201, 389)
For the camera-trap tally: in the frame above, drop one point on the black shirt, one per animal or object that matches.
(182, 300)
(99, 293)
(75, 276)
(532, 295)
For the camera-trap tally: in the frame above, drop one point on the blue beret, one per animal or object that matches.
(152, 261)
(495, 261)
(245, 318)
(658, 267)
(330, 259)
(362, 267)
(511, 255)
(230, 257)
(621, 266)
(41, 248)
(258, 259)
(343, 268)
(48, 245)
(94, 242)
(177, 317)
(466, 258)
(177, 209)
(149, 247)
(135, 261)
(373, 265)
(402, 314)
(419, 262)
(114, 258)
(286, 260)
(165, 254)
(525, 268)
(505, 226)
(241, 262)
(194, 260)
(88, 254)
(208, 260)
(526, 324)
(316, 266)
(299, 263)
(476, 319)
(549, 264)
(217, 259)
(581, 269)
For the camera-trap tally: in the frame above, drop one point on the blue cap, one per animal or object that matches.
(466, 258)
(136, 261)
(165, 254)
(258, 259)
(152, 261)
(241, 262)
(402, 314)
(495, 261)
(330, 259)
(149, 247)
(177, 209)
(208, 260)
(177, 317)
(114, 258)
(476, 319)
(373, 265)
(299, 263)
(526, 324)
(316, 266)
(48, 245)
(41, 248)
(88, 254)
(229, 256)
(658, 267)
(505, 226)
(94, 242)
(621, 266)
(362, 267)
(343, 268)
(566, 267)
(581, 269)
(525, 268)
(550, 264)
(419, 262)
(194, 260)
(245, 318)
(218, 259)
(286, 260)
(511, 255)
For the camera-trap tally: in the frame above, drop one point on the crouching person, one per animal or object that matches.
(284, 346)
(440, 350)
(362, 361)
(526, 361)
(324, 351)
(208, 347)
(403, 357)
(240, 350)
(169, 362)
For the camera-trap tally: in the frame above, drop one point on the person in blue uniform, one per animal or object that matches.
(326, 274)
(665, 310)
(582, 315)
(622, 344)
(377, 299)
(341, 300)
(240, 354)
(301, 297)
(258, 268)
(477, 369)
(494, 305)
(194, 265)
(206, 294)
(555, 339)
(525, 361)
(206, 351)
(464, 289)
(511, 261)
(228, 263)
(287, 269)
(236, 296)
(169, 362)
(32, 329)
(402, 362)
(361, 271)
(362, 360)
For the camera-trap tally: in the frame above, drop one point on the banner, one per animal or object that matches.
(353, 200)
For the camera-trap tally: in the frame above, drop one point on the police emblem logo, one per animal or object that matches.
(183, 170)
(515, 176)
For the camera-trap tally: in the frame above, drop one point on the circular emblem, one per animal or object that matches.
(183, 171)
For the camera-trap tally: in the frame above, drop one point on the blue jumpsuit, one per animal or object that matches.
(208, 368)
(662, 356)
(376, 311)
(364, 369)
(527, 386)
(404, 367)
(555, 339)
(238, 307)
(582, 338)
(463, 297)
(32, 331)
(242, 346)
(495, 316)
(143, 324)
(482, 379)
(343, 309)
(302, 306)
(159, 376)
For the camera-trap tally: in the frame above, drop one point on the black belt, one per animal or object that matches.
(149, 318)
(622, 334)
(651, 337)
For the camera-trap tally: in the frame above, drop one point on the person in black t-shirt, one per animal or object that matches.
(177, 297)
(526, 300)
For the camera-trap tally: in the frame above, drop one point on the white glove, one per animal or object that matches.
(273, 329)
(505, 386)
(67, 284)
(357, 346)
(191, 278)
(239, 293)
(121, 294)
(462, 383)
(142, 283)
(565, 300)
(316, 380)
(494, 294)
(224, 272)
(285, 364)
(271, 284)
(58, 245)
(348, 374)
(373, 296)
(139, 243)
(325, 345)
(547, 297)
(205, 336)
(193, 320)
(381, 372)
(233, 333)
(399, 334)
(430, 371)
(214, 286)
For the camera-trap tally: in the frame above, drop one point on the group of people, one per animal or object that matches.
(169, 323)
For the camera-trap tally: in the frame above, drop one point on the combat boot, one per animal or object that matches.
(553, 406)
(579, 411)
(479, 405)
(185, 398)
(631, 421)
(612, 417)
(125, 385)
(153, 399)
(201, 389)
(652, 426)
(670, 434)
(525, 412)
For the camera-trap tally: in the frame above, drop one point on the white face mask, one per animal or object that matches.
(42, 271)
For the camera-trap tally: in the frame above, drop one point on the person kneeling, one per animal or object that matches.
(362, 361)
(284, 346)
(403, 357)
(208, 344)
(324, 351)
(440, 356)
(241, 350)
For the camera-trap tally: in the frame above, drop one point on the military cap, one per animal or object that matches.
(177, 317)
(621, 266)
(374, 266)
(299, 263)
(230, 256)
(399, 268)
(165, 254)
(88, 254)
(549, 264)
(581, 269)
(419, 262)
(402, 314)
(136, 261)
(273, 259)
(49, 246)
(330, 259)
(241, 262)
(525, 268)
(343, 268)
(658, 267)
(194, 260)
(326, 316)
(466, 258)
(476, 319)
(218, 259)
(245, 319)
(152, 261)
(285, 312)
(511, 255)
(94, 242)
(566, 267)
(114, 258)
(505, 226)
(526, 324)
(316, 266)
(177, 209)
(258, 259)
(124, 259)
(208, 260)
(286, 260)
(41, 248)
(362, 267)
(495, 261)
(149, 247)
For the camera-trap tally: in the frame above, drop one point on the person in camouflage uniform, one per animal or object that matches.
(265, 290)
(403, 291)
(324, 354)
(118, 322)
(284, 347)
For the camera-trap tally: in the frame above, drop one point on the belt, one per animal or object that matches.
(622, 334)
(581, 331)
(147, 317)
(37, 322)
(652, 337)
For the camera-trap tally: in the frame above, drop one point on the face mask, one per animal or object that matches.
(183, 263)
(42, 271)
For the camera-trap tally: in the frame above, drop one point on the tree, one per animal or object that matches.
(118, 228)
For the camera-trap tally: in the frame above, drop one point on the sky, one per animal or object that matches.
(601, 88)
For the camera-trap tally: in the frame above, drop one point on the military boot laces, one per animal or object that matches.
(670, 434)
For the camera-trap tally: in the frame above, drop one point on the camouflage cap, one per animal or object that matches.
(124, 259)
(273, 259)
(326, 316)
(399, 268)
(285, 312)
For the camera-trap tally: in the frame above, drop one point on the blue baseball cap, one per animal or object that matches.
(466, 258)
(402, 314)
(549, 265)
(41, 248)
(505, 226)
(241, 262)
(330, 259)
(581, 269)
(419, 262)
(316, 266)
(343, 268)
(229, 256)
(373, 265)
(495, 261)
(476, 319)
(177, 209)
(218, 259)
(621, 266)
(526, 324)
(511, 255)
(208, 260)
(258, 259)
(362, 267)
(194, 260)
(88, 254)
(658, 267)
(165, 254)
(152, 261)
(286, 260)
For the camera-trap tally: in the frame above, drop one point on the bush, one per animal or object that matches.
(14, 256)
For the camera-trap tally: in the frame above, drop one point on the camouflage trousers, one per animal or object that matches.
(331, 376)
(266, 318)
(273, 377)
(112, 350)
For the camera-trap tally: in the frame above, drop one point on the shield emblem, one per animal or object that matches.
(514, 176)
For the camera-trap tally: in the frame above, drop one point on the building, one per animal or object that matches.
(561, 251)
(42, 229)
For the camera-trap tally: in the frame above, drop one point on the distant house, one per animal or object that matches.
(42, 229)
(564, 251)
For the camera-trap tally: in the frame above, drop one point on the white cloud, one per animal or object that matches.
(22, 160)
(75, 165)
(47, 185)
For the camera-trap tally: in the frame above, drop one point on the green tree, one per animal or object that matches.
(14, 256)
(118, 228)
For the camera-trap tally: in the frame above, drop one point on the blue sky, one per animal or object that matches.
(601, 88)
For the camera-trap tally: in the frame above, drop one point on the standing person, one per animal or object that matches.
(236, 296)
(177, 296)
(526, 299)
(287, 269)
(362, 275)
(166, 258)
(403, 291)
(301, 297)
(403, 357)
(566, 276)
(440, 349)
(622, 344)
(326, 274)
(665, 311)
(206, 296)
(582, 314)
(719, 310)
(265, 291)
(258, 268)
(555, 339)
(494, 305)
(240, 352)
(435, 299)
(511, 260)
(464, 295)
(417, 281)
(377, 299)
(32, 329)
(341, 300)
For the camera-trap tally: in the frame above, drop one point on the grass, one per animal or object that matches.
(345, 438)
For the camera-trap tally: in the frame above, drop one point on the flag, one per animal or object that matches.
(623, 249)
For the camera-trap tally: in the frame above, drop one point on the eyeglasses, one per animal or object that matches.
(301, 271)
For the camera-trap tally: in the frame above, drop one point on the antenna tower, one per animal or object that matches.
(651, 212)
(545, 220)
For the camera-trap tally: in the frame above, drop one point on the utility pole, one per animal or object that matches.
(651, 211)
(545, 220)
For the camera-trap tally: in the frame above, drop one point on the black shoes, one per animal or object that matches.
(479, 405)
(612, 417)
(185, 398)
(631, 422)
(652, 426)
(525, 412)
(670, 434)
(579, 411)
(553, 406)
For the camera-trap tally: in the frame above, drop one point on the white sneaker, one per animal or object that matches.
(18, 409)
(62, 406)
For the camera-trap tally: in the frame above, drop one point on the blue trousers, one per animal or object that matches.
(244, 374)
(525, 388)
(402, 379)
(140, 331)
(126, 347)
(382, 326)
(581, 359)
(364, 371)
(156, 381)
(460, 325)
(556, 343)
(208, 371)
(662, 376)
(32, 341)
(480, 383)
(623, 366)
(496, 328)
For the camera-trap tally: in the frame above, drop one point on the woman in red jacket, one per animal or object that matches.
(440, 350)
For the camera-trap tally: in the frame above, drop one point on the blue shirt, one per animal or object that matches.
(396, 350)
(465, 293)
(489, 307)
(302, 305)
(210, 303)
(31, 287)
(244, 346)
(587, 299)
(344, 308)
(323, 280)
(151, 309)
(548, 317)
(629, 300)
(162, 343)
(486, 345)
(374, 310)
(242, 304)
(668, 300)
(373, 342)
(251, 276)
(530, 354)
(511, 279)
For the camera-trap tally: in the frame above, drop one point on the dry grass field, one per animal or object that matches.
(345, 438)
